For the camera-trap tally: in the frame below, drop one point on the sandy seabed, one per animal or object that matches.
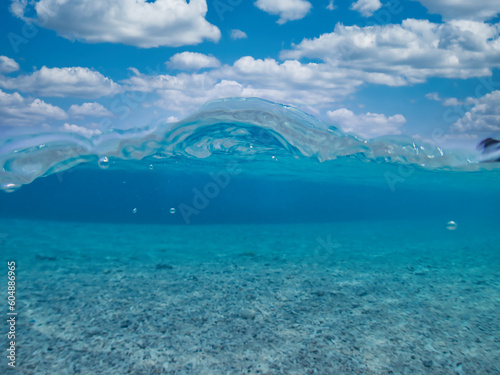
(330, 298)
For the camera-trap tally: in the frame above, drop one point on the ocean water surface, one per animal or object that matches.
(250, 238)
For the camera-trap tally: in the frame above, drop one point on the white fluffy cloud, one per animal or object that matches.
(62, 82)
(366, 7)
(451, 102)
(237, 34)
(8, 65)
(408, 53)
(433, 96)
(483, 116)
(139, 23)
(85, 131)
(447, 102)
(192, 61)
(394, 55)
(463, 9)
(17, 111)
(89, 109)
(367, 125)
(288, 10)
(308, 86)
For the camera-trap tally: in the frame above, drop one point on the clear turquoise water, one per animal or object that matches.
(139, 252)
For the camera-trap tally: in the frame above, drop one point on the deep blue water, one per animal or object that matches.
(87, 194)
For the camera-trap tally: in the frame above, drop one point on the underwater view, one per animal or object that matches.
(226, 187)
(247, 239)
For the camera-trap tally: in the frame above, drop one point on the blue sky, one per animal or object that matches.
(423, 68)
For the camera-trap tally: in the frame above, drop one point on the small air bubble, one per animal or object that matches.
(151, 166)
(451, 225)
(134, 211)
(103, 162)
(10, 188)
(172, 210)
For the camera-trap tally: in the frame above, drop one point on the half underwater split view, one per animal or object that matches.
(246, 239)
(273, 187)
